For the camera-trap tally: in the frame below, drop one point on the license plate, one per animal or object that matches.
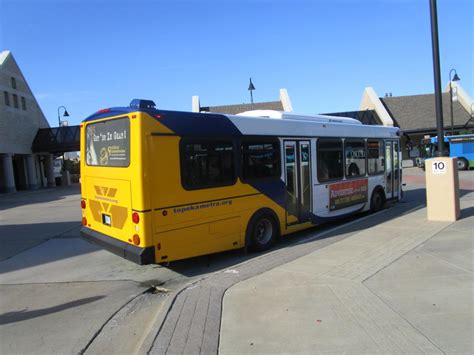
(106, 219)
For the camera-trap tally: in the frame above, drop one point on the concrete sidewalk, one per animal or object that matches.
(403, 286)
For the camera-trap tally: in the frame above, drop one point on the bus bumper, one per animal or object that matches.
(141, 256)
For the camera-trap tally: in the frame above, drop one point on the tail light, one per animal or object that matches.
(135, 217)
(83, 204)
(136, 239)
(84, 221)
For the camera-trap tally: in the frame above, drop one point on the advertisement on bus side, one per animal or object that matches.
(346, 194)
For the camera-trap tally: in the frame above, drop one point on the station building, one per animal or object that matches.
(20, 119)
(415, 115)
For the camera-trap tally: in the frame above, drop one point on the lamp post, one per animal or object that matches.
(437, 78)
(442, 186)
(251, 89)
(455, 78)
(65, 114)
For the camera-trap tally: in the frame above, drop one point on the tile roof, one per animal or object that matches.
(234, 109)
(417, 112)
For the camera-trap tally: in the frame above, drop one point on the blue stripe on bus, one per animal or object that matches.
(191, 124)
(273, 189)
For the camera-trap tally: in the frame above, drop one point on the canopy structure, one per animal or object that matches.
(57, 140)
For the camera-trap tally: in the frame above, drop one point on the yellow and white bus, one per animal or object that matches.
(159, 186)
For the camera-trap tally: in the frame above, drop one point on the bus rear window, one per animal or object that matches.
(108, 143)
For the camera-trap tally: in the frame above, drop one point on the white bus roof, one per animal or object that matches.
(292, 116)
(276, 123)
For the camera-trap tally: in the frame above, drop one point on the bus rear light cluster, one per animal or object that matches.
(84, 221)
(136, 239)
(83, 204)
(135, 217)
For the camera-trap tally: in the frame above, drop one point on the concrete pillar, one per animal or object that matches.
(31, 172)
(50, 170)
(8, 173)
(196, 104)
(66, 178)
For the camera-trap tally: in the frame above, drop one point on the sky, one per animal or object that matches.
(87, 55)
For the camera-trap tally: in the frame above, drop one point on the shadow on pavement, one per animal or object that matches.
(27, 245)
(467, 212)
(38, 196)
(18, 316)
(413, 200)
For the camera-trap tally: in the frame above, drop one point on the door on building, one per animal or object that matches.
(298, 181)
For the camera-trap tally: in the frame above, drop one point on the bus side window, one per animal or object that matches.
(355, 157)
(260, 159)
(330, 163)
(375, 157)
(207, 164)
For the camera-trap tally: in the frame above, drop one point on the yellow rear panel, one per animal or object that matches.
(112, 198)
(113, 193)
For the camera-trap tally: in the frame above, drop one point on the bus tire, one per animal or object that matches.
(377, 201)
(262, 231)
(462, 164)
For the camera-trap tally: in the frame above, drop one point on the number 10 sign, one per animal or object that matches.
(438, 167)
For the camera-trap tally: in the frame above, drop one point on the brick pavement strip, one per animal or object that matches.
(192, 324)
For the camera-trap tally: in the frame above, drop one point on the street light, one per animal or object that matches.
(65, 114)
(455, 78)
(251, 89)
(437, 78)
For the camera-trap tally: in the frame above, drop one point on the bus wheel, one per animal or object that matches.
(378, 201)
(261, 232)
(462, 164)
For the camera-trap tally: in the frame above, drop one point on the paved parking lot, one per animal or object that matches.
(62, 295)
